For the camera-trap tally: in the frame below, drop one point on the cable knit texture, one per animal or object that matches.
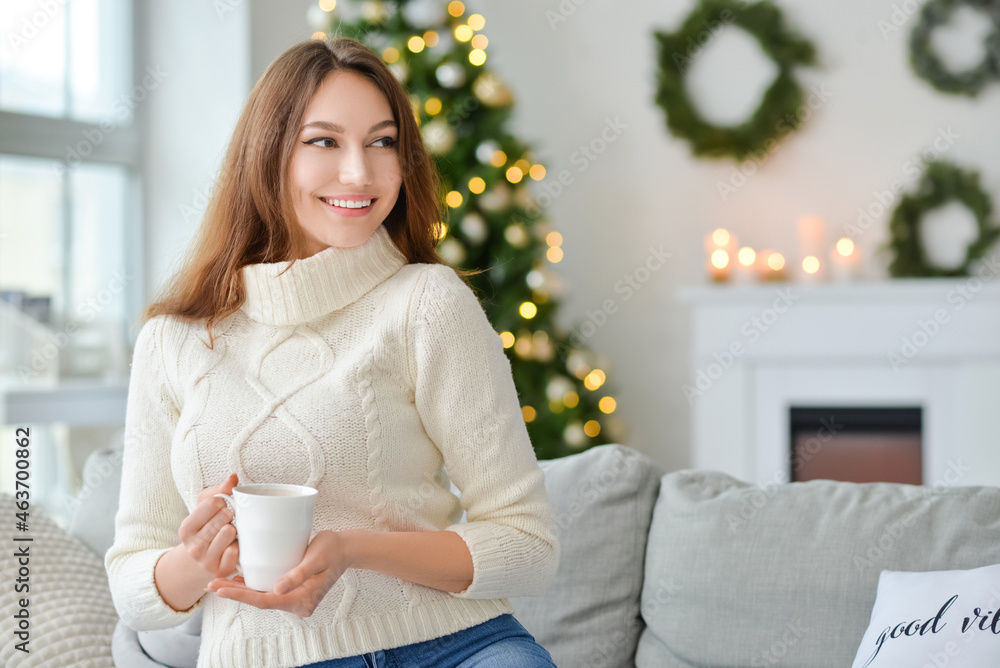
(373, 380)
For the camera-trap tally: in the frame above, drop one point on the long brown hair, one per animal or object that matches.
(250, 218)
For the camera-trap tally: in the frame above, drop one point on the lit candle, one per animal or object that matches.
(845, 260)
(772, 265)
(719, 265)
(720, 246)
(812, 244)
(744, 266)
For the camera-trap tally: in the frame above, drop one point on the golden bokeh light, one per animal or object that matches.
(477, 57)
(480, 42)
(554, 239)
(431, 38)
(477, 22)
(476, 185)
(528, 413)
(594, 379)
(746, 256)
(720, 259)
(776, 261)
(592, 428)
(498, 159)
(528, 310)
(514, 175)
(554, 254)
(810, 264)
(454, 199)
(327, 5)
(720, 237)
(390, 55)
(571, 399)
(456, 8)
(415, 44)
(607, 405)
(845, 246)
(537, 172)
(463, 33)
(507, 338)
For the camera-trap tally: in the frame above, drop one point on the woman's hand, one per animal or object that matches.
(207, 534)
(301, 589)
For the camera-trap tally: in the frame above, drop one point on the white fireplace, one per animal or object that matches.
(759, 350)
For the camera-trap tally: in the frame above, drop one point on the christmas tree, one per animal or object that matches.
(494, 223)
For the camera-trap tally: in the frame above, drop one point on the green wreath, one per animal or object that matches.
(928, 66)
(942, 183)
(781, 109)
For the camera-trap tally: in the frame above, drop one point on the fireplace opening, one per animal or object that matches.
(871, 444)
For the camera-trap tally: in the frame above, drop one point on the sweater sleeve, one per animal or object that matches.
(150, 508)
(466, 399)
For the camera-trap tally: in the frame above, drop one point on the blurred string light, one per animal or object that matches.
(571, 399)
(454, 199)
(431, 38)
(507, 338)
(592, 428)
(746, 256)
(477, 56)
(390, 55)
(440, 230)
(776, 261)
(554, 254)
(432, 106)
(415, 44)
(319, 35)
(498, 159)
(477, 22)
(594, 379)
(327, 5)
(607, 405)
(720, 237)
(528, 310)
(529, 413)
(537, 172)
(514, 175)
(456, 8)
(810, 264)
(463, 33)
(477, 185)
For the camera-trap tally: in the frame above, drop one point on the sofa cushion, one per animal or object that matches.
(71, 617)
(945, 618)
(739, 574)
(603, 500)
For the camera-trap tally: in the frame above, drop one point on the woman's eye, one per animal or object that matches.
(319, 140)
(385, 142)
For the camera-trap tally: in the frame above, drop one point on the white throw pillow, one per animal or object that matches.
(934, 619)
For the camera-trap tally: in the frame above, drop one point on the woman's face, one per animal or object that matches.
(344, 172)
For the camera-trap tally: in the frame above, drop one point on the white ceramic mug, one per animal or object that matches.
(273, 523)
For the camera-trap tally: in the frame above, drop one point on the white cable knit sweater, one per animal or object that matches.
(360, 375)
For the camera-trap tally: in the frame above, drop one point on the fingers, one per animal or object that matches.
(225, 487)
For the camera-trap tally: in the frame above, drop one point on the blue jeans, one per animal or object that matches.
(498, 643)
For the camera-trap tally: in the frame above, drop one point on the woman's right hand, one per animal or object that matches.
(207, 534)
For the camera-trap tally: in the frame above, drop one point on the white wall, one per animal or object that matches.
(645, 190)
(202, 48)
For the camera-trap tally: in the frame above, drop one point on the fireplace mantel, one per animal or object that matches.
(757, 350)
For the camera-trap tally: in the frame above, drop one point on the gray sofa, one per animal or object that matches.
(683, 570)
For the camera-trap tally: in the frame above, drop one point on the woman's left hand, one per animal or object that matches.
(301, 589)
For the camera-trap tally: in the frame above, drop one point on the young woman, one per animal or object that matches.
(314, 337)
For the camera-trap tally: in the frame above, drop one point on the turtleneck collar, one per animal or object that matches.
(320, 284)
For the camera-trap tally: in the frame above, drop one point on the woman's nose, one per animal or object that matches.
(354, 167)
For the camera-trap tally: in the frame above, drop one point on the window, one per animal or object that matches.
(69, 213)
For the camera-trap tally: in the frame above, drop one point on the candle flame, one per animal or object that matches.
(776, 261)
(845, 246)
(720, 237)
(810, 264)
(746, 256)
(720, 259)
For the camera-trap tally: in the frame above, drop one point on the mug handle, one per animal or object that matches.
(232, 508)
